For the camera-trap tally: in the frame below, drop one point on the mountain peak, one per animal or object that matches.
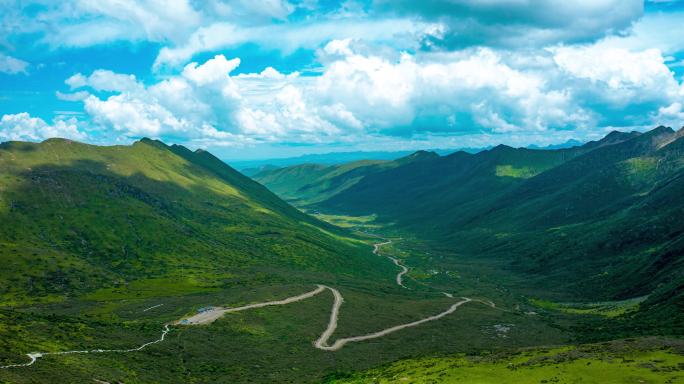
(423, 154)
(420, 155)
(613, 137)
(152, 142)
(659, 130)
(501, 148)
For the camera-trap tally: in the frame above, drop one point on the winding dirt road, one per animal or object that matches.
(212, 314)
(322, 342)
(404, 269)
(33, 356)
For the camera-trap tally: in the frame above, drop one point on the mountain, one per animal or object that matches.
(77, 217)
(596, 222)
(568, 144)
(310, 183)
(250, 166)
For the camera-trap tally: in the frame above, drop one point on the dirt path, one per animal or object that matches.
(152, 307)
(322, 342)
(33, 356)
(404, 269)
(212, 314)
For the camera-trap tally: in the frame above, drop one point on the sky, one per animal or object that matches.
(249, 79)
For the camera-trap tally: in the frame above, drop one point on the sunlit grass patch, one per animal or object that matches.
(348, 221)
(517, 172)
(587, 364)
(605, 308)
(147, 288)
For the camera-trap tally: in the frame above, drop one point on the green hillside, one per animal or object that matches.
(590, 223)
(457, 186)
(102, 246)
(307, 184)
(623, 361)
(78, 217)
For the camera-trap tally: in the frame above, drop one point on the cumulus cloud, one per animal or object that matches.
(202, 103)
(625, 87)
(445, 93)
(104, 80)
(82, 23)
(360, 94)
(288, 38)
(12, 65)
(617, 68)
(22, 126)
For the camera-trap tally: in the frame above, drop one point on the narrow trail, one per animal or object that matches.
(404, 269)
(152, 307)
(33, 356)
(213, 314)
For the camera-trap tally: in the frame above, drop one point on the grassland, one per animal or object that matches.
(102, 246)
(624, 361)
(604, 308)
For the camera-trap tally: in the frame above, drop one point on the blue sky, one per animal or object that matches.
(274, 78)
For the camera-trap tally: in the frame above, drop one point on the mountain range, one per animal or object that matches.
(600, 221)
(252, 167)
(104, 247)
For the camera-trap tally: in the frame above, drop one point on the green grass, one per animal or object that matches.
(148, 288)
(345, 221)
(619, 362)
(606, 308)
(78, 218)
(91, 236)
(516, 172)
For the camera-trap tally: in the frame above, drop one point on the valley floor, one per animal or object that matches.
(471, 343)
(211, 314)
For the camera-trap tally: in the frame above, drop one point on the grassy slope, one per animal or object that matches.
(457, 186)
(87, 230)
(60, 201)
(642, 361)
(592, 223)
(307, 184)
(92, 236)
(605, 225)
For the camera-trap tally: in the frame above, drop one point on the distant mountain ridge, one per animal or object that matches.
(252, 167)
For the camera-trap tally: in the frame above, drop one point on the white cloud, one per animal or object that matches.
(672, 115)
(623, 86)
(104, 80)
(362, 94)
(661, 30)
(12, 65)
(80, 23)
(75, 96)
(618, 68)
(22, 126)
(388, 95)
(133, 116)
(286, 37)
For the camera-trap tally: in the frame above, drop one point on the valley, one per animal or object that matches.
(333, 292)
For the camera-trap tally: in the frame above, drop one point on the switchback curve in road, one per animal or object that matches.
(321, 343)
